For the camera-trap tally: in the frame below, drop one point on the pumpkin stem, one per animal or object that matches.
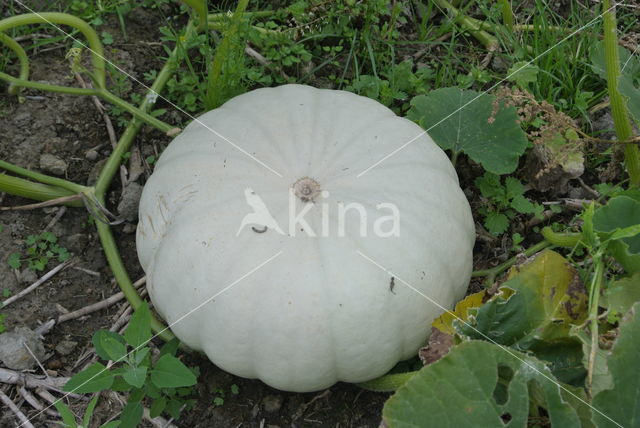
(307, 189)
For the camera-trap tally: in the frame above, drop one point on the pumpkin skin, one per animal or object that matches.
(319, 312)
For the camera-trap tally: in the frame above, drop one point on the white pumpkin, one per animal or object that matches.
(320, 310)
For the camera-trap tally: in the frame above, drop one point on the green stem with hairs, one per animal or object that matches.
(492, 273)
(36, 191)
(106, 176)
(621, 120)
(73, 188)
(565, 240)
(23, 59)
(471, 25)
(97, 51)
(594, 298)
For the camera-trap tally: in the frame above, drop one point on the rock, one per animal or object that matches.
(95, 172)
(77, 241)
(53, 164)
(28, 276)
(13, 352)
(272, 403)
(91, 155)
(66, 347)
(128, 206)
(129, 228)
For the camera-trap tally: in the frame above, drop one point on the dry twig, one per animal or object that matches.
(36, 284)
(24, 421)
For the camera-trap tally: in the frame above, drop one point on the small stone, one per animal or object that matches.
(91, 155)
(272, 403)
(13, 352)
(66, 347)
(77, 241)
(128, 206)
(129, 228)
(28, 276)
(53, 164)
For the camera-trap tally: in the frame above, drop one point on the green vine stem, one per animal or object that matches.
(594, 297)
(23, 59)
(387, 383)
(73, 188)
(621, 121)
(109, 171)
(97, 57)
(97, 51)
(565, 240)
(36, 191)
(473, 26)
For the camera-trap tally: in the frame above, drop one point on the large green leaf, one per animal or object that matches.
(622, 402)
(623, 293)
(621, 212)
(629, 63)
(540, 301)
(632, 95)
(534, 310)
(477, 385)
(467, 121)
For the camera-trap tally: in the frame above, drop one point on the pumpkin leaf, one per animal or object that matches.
(621, 403)
(629, 63)
(467, 121)
(540, 301)
(619, 221)
(534, 310)
(632, 94)
(623, 293)
(477, 384)
(444, 322)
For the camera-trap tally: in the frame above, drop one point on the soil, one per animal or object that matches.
(69, 127)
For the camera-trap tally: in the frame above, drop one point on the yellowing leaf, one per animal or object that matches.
(444, 322)
(555, 282)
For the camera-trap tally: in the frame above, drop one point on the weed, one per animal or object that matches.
(166, 381)
(40, 249)
(503, 202)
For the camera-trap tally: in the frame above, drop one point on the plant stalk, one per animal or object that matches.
(594, 297)
(621, 120)
(97, 51)
(36, 191)
(23, 59)
(491, 274)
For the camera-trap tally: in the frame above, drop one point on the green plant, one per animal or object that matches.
(69, 418)
(165, 379)
(40, 249)
(503, 201)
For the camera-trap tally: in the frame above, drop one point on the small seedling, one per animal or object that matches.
(41, 249)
